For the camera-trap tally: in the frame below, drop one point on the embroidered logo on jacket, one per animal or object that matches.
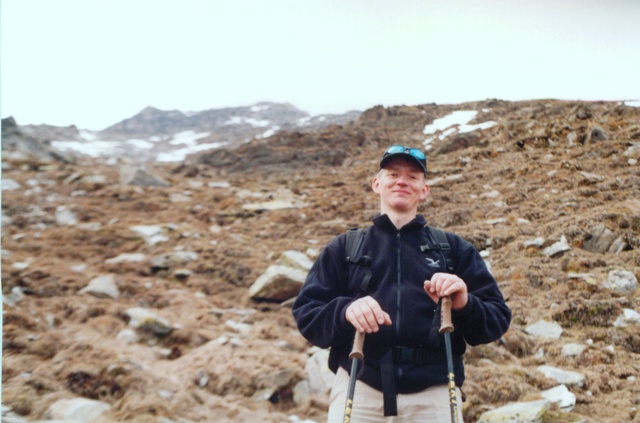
(432, 263)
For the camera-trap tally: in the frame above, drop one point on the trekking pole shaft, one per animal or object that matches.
(446, 327)
(355, 356)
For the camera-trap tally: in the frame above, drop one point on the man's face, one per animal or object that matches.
(401, 186)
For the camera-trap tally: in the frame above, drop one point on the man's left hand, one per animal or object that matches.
(447, 285)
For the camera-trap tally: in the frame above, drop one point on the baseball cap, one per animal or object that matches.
(414, 154)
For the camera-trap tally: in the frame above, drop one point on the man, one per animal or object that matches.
(405, 366)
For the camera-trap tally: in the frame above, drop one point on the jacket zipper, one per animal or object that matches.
(398, 296)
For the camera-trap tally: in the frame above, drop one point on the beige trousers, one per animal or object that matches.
(430, 405)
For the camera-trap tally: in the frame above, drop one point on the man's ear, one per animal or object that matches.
(425, 192)
(375, 184)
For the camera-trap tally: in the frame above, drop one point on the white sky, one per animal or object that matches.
(93, 63)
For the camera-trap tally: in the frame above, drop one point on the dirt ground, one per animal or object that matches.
(524, 178)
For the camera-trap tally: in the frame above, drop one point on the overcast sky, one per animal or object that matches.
(93, 63)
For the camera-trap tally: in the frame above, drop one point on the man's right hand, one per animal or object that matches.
(366, 315)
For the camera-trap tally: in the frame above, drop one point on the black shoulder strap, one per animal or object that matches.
(440, 239)
(355, 237)
(354, 241)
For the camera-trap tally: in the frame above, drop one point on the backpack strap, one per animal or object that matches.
(355, 237)
(440, 243)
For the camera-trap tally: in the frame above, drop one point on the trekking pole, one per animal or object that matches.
(446, 327)
(355, 356)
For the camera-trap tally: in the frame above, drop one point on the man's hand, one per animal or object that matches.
(444, 285)
(366, 315)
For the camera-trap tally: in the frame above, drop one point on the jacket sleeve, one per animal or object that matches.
(486, 316)
(319, 309)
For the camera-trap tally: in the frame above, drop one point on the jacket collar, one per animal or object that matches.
(383, 222)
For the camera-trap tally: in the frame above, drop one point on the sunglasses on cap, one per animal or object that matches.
(410, 153)
(414, 152)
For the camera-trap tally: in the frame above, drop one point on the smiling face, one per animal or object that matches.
(401, 186)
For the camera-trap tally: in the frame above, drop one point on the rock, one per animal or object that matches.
(537, 242)
(9, 184)
(241, 328)
(127, 258)
(633, 151)
(446, 181)
(529, 412)
(65, 217)
(176, 197)
(152, 234)
(77, 410)
(557, 248)
(270, 384)
(146, 320)
(14, 297)
(269, 205)
(174, 259)
(103, 286)
(182, 274)
(562, 376)
(92, 182)
(133, 175)
(621, 281)
(128, 336)
(296, 260)
(628, 317)
(597, 134)
(277, 283)
(601, 239)
(573, 349)
(320, 376)
(544, 329)
(562, 396)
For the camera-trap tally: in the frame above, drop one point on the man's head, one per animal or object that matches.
(413, 155)
(401, 181)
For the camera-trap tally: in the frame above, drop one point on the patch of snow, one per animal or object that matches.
(143, 144)
(456, 122)
(257, 108)
(269, 132)
(180, 154)
(87, 135)
(187, 137)
(239, 120)
(95, 148)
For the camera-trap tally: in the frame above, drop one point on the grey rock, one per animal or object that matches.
(103, 286)
(277, 283)
(146, 320)
(173, 259)
(622, 281)
(134, 175)
(544, 329)
(65, 217)
(599, 240)
(562, 376)
(296, 260)
(560, 395)
(78, 410)
(520, 412)
(628, 317)
(557, 248)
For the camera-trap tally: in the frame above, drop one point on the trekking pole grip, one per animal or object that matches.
(446, 325)
(358, 343)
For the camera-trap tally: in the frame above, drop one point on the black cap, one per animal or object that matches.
(412, 154)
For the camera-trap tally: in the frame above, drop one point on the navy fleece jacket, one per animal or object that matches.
(399, 268)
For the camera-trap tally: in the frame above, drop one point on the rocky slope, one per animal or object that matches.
(550, 194)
